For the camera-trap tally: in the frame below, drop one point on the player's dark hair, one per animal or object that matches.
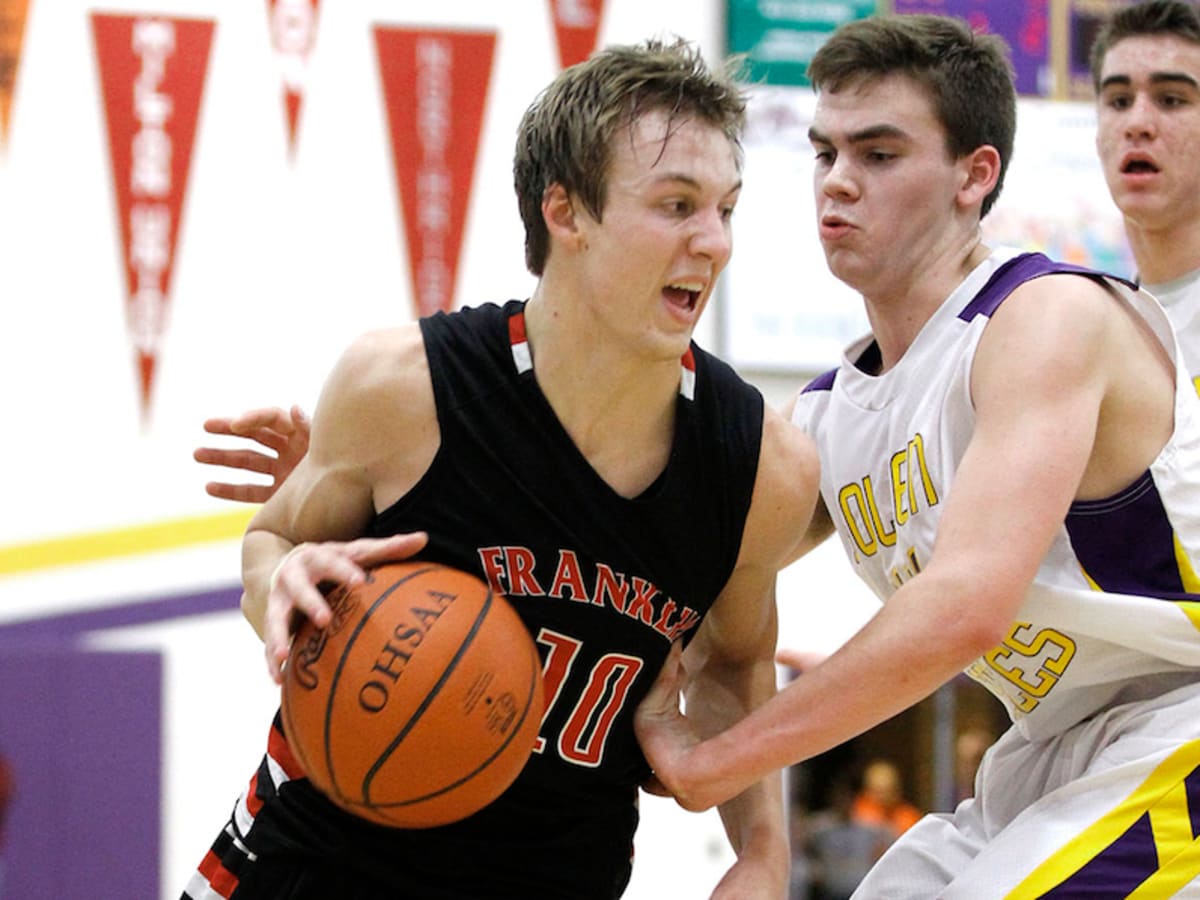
(566, 135)
(967, 75)
(1166, 17)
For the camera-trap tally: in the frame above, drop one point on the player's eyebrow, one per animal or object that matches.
(870, 133)
(692, 181)
(1155, 78)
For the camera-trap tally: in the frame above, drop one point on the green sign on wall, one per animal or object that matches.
(779, 37)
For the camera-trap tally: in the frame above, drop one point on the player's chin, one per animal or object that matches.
(848, 268)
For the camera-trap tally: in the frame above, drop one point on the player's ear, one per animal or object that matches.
(980, 171)
(562, 217)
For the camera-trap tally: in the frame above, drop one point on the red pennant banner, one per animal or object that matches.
(435, 86)
(12, 30)
(293, 25)
(576, 27)
(152, 72)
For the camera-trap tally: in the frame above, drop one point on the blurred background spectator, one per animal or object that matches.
(880, 801)
(838, 848)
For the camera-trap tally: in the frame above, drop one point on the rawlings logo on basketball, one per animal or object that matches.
(342, 602)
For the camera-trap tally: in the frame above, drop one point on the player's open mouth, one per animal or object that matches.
(683, 294)
(1138, 165)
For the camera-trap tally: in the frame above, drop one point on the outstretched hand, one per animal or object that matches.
(285, 432)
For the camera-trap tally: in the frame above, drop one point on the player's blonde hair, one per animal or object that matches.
(567, 133)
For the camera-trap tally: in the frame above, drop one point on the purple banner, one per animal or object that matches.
(1024, 24)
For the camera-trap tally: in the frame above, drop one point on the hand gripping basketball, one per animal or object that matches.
(420, 701)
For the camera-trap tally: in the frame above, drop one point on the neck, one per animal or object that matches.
(577, 354)
(898, 313)
(1164, 254)
(617, 407)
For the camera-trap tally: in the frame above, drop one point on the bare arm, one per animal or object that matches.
(373, 435)
(730, 664)
(1030, 452)
(723, 686)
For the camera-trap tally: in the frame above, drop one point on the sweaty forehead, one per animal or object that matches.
(659, 139)
(659, 127)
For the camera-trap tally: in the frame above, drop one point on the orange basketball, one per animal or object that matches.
(420, 702)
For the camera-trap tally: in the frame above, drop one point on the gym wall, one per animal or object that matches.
(201, 203)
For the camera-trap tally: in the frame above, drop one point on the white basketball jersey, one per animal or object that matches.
(1114, 611)
(1181, 300)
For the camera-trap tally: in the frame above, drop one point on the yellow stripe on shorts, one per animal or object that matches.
(1162, 798)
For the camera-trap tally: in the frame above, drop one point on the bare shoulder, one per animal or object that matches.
(1056, 324)
(1074, 303)
(789, 408)
(377, 400)
(1073, 324)
(787, 448)
(381, 361)
(1069, 365)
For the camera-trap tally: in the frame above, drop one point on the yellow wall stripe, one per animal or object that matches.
(169, 534)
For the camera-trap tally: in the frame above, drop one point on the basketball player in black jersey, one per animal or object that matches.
(625, 489)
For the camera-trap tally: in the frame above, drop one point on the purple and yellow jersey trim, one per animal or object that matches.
(1125, 543)
(1147, 847)
(1016, 272)
(1132, 526)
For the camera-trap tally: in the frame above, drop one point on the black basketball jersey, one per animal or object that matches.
(603, 583)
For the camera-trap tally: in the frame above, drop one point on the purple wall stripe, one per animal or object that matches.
(69, 625)
(82, 733)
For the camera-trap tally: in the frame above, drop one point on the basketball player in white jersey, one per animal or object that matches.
(1011, 460)
(1146, 70)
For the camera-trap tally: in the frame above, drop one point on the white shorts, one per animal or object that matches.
(1109, 808)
